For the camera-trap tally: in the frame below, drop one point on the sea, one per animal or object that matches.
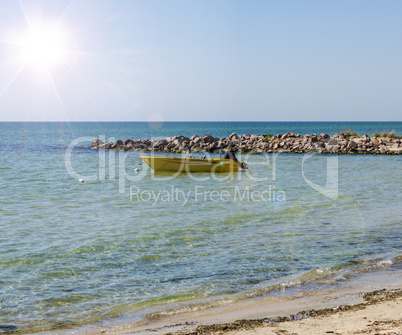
(128, 241)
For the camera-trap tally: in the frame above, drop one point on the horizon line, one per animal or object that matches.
(233, 121)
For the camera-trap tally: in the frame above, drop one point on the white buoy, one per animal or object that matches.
(136, 170)
(81, 181)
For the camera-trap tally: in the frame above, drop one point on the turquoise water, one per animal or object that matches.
(126, 240)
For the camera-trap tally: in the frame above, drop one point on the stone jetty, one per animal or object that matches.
(342, 143)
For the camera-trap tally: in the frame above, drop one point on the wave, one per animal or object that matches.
(309, 283)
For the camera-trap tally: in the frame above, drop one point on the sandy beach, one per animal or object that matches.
(345, 311)
(379, 313)
(357, 307)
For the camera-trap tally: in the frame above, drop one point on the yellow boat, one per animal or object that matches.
(184, 164)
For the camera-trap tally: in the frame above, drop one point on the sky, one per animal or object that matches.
(200, 60)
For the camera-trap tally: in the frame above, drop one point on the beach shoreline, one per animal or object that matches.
(362, 297)
(380, 313)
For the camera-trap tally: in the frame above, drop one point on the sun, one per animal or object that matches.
(44, 44)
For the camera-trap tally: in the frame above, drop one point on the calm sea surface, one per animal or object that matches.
(127, 240)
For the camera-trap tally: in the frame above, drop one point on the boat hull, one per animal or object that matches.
(181, 164)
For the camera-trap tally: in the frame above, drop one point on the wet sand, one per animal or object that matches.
(370, 303)
(380, 312)
(360, 307)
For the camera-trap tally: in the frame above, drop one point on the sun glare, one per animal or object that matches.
(44, 44)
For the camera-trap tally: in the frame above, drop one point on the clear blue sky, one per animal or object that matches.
(189, 60)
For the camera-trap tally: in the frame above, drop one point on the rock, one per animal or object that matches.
(161, 142)
(136, 145)
(119, 143)
(211, 146)
(194, 146)
(352, 145)
(107, 146)
(129, 146)
(219, 144)
(332, 141)
(127, 141)
(176, 144)
(208, 138)
(233, 137)
(184, 139)
(324, 136)
(253, 138)
(197, 140)
(96, 143)
(145, 141)
(186, 143)
(263, 145)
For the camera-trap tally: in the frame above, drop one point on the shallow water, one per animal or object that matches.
(73, 252)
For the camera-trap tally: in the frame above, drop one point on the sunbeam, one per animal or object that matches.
(56, 92)
(65, 10)
(12, 80)
(39, 48)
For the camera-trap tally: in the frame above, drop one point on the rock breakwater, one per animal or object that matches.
(342, 143)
